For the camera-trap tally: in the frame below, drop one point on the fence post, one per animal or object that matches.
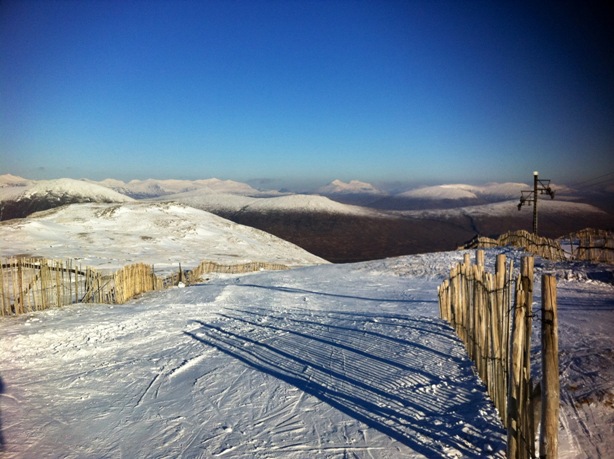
(515, 375)
(527, 268)
(479, 257)
(500, 324)
(548, 442)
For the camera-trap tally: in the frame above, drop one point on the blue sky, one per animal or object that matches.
(299, 91)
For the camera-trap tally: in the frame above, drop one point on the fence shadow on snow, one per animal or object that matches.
(380, 376)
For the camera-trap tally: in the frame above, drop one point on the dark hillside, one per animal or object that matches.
(345, 238)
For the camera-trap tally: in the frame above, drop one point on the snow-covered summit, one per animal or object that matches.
(295, 203)
(7, 180)
(490, 191)
(152, 188)
(112, 235)
(65, 188)
(306, 203)
(352, 187)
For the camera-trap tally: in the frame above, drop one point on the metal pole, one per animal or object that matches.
(535, 181)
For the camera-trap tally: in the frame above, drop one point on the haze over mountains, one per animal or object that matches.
(341, 221)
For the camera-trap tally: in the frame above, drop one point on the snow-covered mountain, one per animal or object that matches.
(353, 192)
(492, 191)
(294, 203)
(21, 199)
(9, 180)
(509, 209)
(111, 235)
(152, 188)
(351, 187)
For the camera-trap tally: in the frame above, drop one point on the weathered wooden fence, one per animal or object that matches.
(534, 244)
(492, 314)
(34, 284)
(592, 245)
(589, 244)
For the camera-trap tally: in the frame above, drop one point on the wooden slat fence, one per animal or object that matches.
(592, 245)
(211, 267)
(536, 245)
(492, 315)
(34, 284)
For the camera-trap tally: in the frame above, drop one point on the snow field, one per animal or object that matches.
(330, 361)
(302, 363)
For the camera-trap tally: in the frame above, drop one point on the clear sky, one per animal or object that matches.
(415, 91)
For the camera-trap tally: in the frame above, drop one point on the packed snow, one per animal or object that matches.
(328, 361)
(108, 236)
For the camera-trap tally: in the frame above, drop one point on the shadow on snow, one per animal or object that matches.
(394, 373)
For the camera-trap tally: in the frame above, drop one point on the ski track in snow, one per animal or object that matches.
(332, 361)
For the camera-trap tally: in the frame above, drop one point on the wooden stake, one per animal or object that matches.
(548, 443)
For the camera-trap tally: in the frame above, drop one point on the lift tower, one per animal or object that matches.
(539, 187)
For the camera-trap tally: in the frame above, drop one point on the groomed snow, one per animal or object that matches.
(330, 361)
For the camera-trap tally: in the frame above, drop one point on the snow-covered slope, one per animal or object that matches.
(8, 180)
(351, 187)
(20, 200)
(152, 188)
(60, 189)
(111, 235)
(509, 209)
(491, 191)
(295, 203)
(331, 362)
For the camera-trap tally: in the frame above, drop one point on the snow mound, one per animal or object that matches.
(112, 235)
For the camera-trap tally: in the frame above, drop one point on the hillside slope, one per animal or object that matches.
(110, 235)
(18, 200)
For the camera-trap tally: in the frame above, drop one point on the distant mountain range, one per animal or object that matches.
(340, 222)
(151, 188)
